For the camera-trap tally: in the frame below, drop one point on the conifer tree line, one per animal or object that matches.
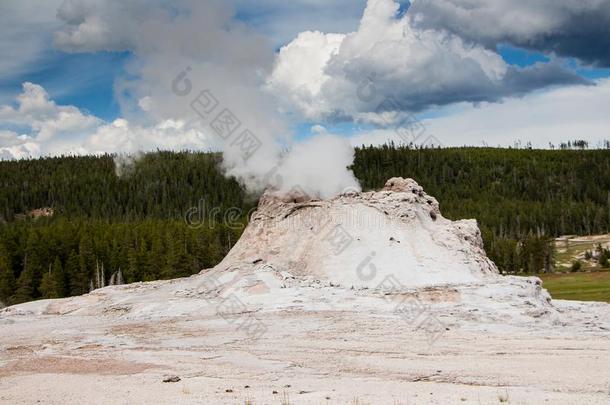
(60, 257)
(105, 226)
(159, 185)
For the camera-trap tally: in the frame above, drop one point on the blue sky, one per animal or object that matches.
(85, 80)
(522, 57)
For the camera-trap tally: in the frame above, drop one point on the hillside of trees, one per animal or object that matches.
(134, 225)
(161, 185)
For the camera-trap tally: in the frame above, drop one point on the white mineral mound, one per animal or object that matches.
(357, 251)
(359, 239)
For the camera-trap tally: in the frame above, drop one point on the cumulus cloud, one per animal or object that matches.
(348, 76)
(572, 28)
(122, 136)
(48, 128)
(554, 116)
(41, 127)
(15, 146)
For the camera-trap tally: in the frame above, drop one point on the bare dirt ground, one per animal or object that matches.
(321, 357)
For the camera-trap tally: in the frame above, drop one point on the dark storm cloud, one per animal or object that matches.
(568, 28)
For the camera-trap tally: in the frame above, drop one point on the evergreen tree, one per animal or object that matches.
(86, 267)
(61, 279)
(48, 285)
(29, 279)
(72, 270)
(7, 277)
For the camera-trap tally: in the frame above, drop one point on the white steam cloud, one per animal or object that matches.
(194, 64)
(325, 156)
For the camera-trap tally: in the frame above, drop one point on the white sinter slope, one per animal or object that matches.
(359, 239)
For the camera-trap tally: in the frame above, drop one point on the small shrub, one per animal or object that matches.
(604, 256)
(576, 266)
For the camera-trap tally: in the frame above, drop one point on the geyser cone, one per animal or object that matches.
(360, 239)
